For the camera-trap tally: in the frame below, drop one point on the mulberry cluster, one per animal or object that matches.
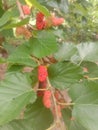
(42, 22)
(42, 77)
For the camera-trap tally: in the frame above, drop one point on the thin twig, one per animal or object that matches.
(58, 120)
(35, 59)
(51, 127)
(96, 78)
(22, 16)
(54, 100)
(39, 89)
(66, 104)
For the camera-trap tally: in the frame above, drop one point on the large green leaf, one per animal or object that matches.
(66, 51)
(85, 97)
(1, 10)
(15, 93)
(15, 24)
(87, 115)
(75, 125)
(45, 44)
(78, 53)
(17, 125)
(69, 121)
(41, 8)
(63, 74)
(92, 69)
(88, 95)
(6, 17)
(37, 117)
(22, 56)
(34, 76)
(88, 51)
(61, 5)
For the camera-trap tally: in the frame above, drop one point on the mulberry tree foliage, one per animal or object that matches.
(48, 65)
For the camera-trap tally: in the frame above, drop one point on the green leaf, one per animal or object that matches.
(87, 115)
(88, 95)
(39, 115)
(70, 122)
(6, 17)
(85, 97)
(63, 74)
(92, 69)
(22, 56)
(17, 125)
(61, 5)
(1, 10)
(7, 33)
(0, 3)
(36, 117)
(2, 60)
(88, 51)
(75, 125)
(15, 93)
(15, 68)
(41, 8)
(13, 24)
(45, 44)
(34, 76)
(66, 113)
(66, 51)
(78, 53)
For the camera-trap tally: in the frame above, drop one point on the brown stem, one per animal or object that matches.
(35, 59)
(53, 98)
(51, 127)
(57, 121)
(39, 89)
(22, 16)
(66, 104)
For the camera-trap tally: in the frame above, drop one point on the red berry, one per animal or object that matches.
(26, 9)
(40, 21)
(40, 25)
(47, 94)
(47, 99)
(40, 17)
(57, 21)
(47, 103)
(42, 73)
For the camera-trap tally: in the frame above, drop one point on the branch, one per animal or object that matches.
(96, 78)
(66, 104)
(22, 16)
(58, 121)
(53, 97)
